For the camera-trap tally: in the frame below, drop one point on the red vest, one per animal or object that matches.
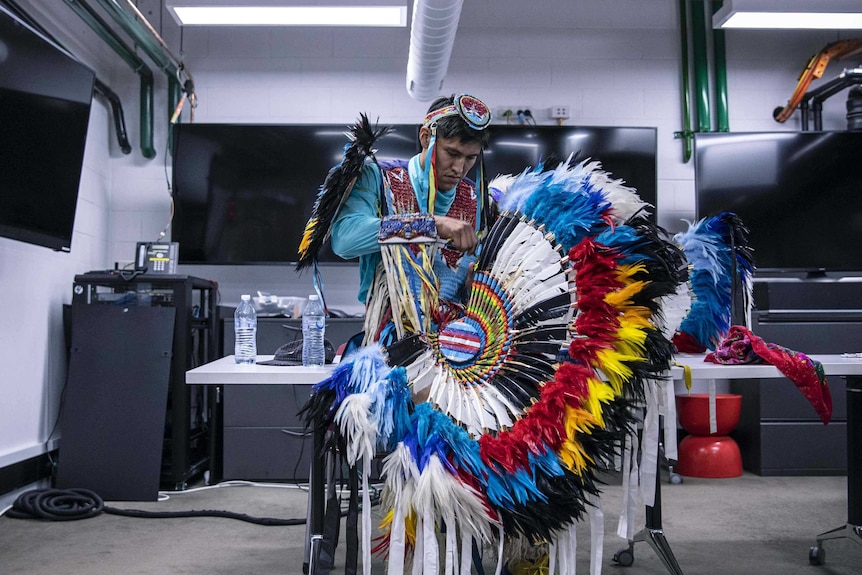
(404, 201)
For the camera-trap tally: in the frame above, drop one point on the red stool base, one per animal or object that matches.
(712, 456)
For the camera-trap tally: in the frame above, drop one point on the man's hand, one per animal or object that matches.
(460, 234)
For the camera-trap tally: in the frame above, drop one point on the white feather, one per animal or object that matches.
(674, 309)
(444, 497)
(358, 426)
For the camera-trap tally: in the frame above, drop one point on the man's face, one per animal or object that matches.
(454, 159)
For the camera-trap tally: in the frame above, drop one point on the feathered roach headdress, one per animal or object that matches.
(721, 263)
(334, 191)
(496, 422)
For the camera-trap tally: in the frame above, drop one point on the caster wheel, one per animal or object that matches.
(817, 555)
(624, 557)
(675, 478)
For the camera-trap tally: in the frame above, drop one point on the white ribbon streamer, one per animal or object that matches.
(649, 446)
(573, 549)
(597, 534)
(466, 552)
(713, 424)
(397, 537)
(451, 548)
(419, 550)
(430, 551)
(499, 570)
(366, 516)
(631, 473)
(669, 413)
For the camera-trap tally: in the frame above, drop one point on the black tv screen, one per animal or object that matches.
(626, 153)
(799, 193)
(45, 98)
(243, 193)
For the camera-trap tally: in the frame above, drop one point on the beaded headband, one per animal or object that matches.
(471, 109)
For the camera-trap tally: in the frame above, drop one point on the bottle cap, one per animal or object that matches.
(312, 297)
(245, 297)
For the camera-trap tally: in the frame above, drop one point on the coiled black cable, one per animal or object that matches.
(57, 505)
(74, 504)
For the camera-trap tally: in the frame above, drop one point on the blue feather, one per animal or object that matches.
(548, 462)
(394, 424)
(369, 366)
(710, 259)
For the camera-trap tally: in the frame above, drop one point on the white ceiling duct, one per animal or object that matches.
(432, 35)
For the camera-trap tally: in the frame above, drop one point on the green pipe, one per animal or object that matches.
(719, 61)
(701, 66)
(101, 28)
(133, 28)
(686, 87)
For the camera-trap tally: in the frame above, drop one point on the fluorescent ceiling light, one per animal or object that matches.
(790, 14)
(262, 13)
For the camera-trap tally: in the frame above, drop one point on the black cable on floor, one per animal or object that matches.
(74, 504)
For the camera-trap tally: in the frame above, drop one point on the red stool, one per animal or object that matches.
(705, 454)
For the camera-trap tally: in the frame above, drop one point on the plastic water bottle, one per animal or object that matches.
(245, 331)
(313, 330)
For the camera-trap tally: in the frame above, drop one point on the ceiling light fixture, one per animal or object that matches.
(790, 14)
(378, 13)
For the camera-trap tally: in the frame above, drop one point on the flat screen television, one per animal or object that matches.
(243, 193)
(799, 193)
(45, 97)
(626, 153)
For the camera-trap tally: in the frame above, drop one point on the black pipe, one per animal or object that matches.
(117, 110)
(824, 92)
(854, 109)
(817, 110)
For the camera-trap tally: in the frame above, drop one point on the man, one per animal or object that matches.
(452, 138)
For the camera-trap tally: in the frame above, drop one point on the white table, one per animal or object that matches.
(833, 365)
(225, 371)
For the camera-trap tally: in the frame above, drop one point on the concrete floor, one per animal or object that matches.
(749, 524)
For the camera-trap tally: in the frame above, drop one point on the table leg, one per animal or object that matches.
(853, 528)
(316, 501)
(652, 533)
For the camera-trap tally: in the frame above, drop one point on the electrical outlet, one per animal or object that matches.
(560, 112)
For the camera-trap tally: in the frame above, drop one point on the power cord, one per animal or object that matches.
(75, 504)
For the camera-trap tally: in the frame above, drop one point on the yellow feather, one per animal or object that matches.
(637, 316)
(306, 236)
(623, 296)
(629, 270)
(610, 362)
(572, 454)
(600, 393)
(578, 420)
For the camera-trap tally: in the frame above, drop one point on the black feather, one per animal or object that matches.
(501, 230)
(336, 187)
(552, 308)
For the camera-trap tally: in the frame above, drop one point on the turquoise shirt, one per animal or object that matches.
(354, 233)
